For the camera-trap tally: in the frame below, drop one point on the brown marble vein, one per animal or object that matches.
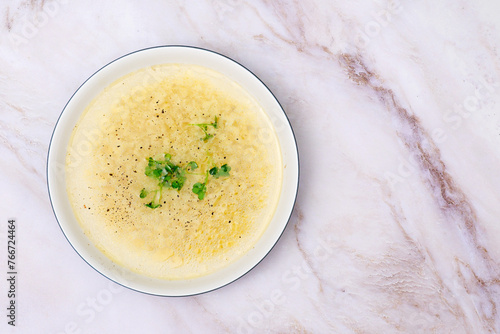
(20, 11)
(451, 200)
(420, 260)
(304, 254)
(311, 267)
(8, 19)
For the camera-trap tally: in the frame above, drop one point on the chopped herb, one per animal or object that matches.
(156, 200)
(151, 205)
(193, 165)
(200, 189)
(222, 171)
(204, 128)
(168, 174)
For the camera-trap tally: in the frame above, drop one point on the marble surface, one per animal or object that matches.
(395, 105)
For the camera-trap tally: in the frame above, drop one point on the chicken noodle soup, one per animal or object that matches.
(219, 140)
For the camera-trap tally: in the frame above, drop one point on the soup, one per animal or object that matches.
(174, 171)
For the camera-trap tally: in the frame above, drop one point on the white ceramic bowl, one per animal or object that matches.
(90, 89)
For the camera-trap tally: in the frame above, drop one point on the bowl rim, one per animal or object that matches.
(295, 158)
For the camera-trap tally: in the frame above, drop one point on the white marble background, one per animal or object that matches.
(395, 105)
